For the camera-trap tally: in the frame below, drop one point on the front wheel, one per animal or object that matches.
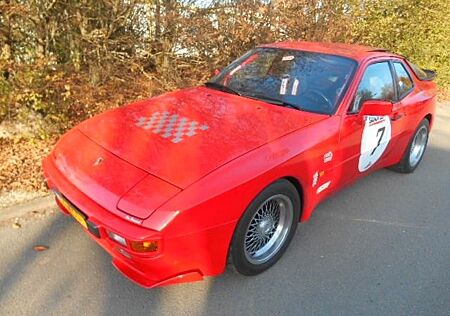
(266, 228)
(416, 149)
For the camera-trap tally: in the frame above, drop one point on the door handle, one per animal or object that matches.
(396, 116)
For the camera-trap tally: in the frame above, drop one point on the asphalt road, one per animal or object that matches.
(380, 247)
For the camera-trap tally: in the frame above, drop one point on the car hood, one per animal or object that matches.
(181, 136)
(111, 182)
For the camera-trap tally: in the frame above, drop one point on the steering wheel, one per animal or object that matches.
(321, 96)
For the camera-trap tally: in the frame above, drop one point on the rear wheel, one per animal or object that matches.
(416, 149)
(266, 228)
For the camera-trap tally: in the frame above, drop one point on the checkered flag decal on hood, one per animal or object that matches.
(171, 126)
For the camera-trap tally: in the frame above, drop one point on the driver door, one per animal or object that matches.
(365, 141)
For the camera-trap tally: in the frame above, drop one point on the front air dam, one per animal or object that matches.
(137, 277)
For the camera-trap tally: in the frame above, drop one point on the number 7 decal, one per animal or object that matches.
(375, 139)
(380, 130)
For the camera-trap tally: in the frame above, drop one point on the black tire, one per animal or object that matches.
(405, 165)
(285, 194)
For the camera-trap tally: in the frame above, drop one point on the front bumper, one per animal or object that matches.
(169, 265)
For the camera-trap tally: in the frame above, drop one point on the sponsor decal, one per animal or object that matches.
(328, 157)
(288, 58)
(315, 179)
(316, 176)
(283, 86)
(373, 120)
(323, 187)
(295, 87)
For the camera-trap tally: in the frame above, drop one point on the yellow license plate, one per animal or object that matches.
(75, 214)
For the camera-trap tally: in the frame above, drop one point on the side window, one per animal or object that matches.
(404, 82)
(376, 84)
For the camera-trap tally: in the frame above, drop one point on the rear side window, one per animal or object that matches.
(376, 84)
(404, 82)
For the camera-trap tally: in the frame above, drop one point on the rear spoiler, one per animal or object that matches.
(431, 74)
(422, 74)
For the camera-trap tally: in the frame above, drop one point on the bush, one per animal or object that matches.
(416, 29)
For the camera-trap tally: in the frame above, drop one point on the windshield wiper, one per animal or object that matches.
(221, 87)
(273, 101)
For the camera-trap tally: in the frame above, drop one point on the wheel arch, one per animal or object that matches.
(233, 257)
(291, 179)
(296, 183)
(429, 117)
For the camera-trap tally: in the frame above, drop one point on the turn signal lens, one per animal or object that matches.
(145, 246)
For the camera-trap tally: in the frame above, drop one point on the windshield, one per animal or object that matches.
(307, 81)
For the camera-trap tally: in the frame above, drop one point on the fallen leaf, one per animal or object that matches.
(16, 225)
(40, 248)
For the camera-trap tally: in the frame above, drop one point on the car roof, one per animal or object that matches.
(354, 51)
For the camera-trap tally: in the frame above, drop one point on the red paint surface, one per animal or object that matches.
(190, 195)
(236, 125)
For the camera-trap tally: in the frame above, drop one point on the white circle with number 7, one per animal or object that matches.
(375, 139)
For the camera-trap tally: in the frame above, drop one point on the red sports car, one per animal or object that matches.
(174, 186)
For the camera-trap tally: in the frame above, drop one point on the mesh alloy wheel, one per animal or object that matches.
(268, 229)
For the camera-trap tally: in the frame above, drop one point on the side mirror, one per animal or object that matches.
(376, 108)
